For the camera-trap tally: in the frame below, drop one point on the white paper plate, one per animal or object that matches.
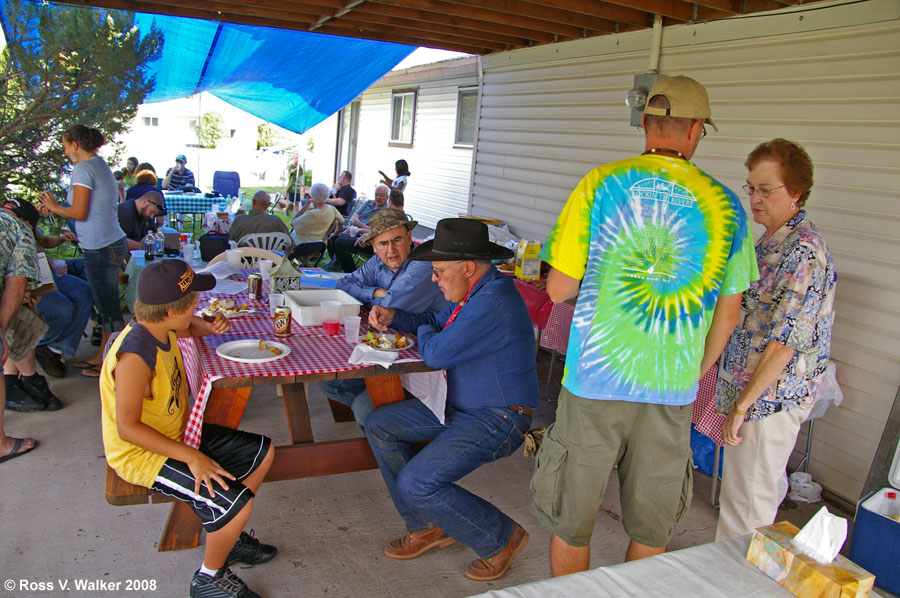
(238, 314)
(411, 342)
(248, 351)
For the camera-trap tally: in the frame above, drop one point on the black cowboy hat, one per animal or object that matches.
(460, 239)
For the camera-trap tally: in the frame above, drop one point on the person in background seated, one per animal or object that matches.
(344, 194)
(129, 172)
(258, 220)
(342, 247)
(144, 400)
(66, 310)
(178, 176)
(400, 182)
(389, 279)
(396, 200)
(137, 217)
(314, 223)
(145, 180)
(484, 340)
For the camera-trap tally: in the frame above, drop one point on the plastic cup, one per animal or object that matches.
(351, 329)
(331, 316)
(233, 256)
(188, 250)
(265, 266)
(275, 300)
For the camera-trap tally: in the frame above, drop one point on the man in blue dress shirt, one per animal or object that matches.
(388, 279)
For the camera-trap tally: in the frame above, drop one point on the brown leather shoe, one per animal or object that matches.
(494, 567)
(415, 543)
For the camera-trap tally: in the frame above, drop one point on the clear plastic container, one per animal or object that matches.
(892, 506)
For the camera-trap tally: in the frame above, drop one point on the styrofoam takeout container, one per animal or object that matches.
(305, 307)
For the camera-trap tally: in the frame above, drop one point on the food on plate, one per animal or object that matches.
(228, 307)
(385, 341)
(265, 346)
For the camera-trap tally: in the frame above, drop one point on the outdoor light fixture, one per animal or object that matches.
(636, 98)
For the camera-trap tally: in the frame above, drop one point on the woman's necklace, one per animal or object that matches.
(664, 150)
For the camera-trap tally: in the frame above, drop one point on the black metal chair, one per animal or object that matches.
(305, 253)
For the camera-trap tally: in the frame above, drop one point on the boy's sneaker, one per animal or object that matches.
(249, 551)
(225, 584)
(19, 400)
(37, 387)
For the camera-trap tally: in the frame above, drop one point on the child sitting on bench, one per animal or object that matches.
(144, 395)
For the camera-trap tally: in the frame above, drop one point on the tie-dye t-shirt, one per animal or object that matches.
(655, 241)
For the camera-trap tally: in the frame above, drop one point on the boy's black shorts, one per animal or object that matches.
(239, 453)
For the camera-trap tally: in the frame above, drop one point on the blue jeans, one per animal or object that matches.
(353, 394)
(101, 270)
(66, 311)
(420, 482)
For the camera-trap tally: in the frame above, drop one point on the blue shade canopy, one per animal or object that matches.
(294, 79)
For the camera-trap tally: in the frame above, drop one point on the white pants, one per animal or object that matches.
(751, 470)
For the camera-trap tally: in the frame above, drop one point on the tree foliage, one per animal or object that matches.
(210, 130)
(65, 65)
(267, 136)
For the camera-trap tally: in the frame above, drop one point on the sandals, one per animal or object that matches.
(15, 452)
(84, 364)
(91, 371)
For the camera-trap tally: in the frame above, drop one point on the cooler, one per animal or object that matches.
(875, 542)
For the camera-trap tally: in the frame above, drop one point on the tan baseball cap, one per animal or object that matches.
(687, 99)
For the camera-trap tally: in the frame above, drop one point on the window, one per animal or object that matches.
(233, 132)
(151, 121)
(403, 117)
(466, 105)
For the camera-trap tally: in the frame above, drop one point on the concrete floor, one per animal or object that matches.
(55, 525)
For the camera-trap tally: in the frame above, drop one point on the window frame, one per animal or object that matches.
(414, 92)
(469, 90)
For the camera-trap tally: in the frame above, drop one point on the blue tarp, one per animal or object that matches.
(294, 79)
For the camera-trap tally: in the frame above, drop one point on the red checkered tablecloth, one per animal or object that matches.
(708, 422)
(312, 352)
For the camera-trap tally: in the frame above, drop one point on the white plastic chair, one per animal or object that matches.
(270, 241)
(251, 257)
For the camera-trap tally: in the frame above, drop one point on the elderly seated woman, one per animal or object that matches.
(317, 218)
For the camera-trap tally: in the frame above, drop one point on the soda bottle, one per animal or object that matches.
(158, 244)
(892, 508)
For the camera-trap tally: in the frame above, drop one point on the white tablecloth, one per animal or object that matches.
(717, 569)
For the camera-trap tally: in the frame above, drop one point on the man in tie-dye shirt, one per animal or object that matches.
(657, 253)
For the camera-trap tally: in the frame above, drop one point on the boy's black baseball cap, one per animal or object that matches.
(168, 281)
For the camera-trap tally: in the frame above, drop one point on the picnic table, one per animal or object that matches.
(221, 389)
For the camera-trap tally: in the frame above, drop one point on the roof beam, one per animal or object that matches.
(411, 27)
(421, 37)
(605, 10)
(333, 29)
(563, 16)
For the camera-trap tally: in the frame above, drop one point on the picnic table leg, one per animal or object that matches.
(297, 411)
(225, 406)
(385, 389)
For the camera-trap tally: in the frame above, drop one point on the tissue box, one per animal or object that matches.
(875, 542)
(774, 553)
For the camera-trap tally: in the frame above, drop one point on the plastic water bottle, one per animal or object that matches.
(147, 245)
(158, 244)
(892, 507)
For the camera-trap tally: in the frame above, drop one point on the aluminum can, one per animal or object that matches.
(282, 320)
(254, 286)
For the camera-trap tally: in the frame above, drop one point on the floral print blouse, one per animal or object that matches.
(791, 303)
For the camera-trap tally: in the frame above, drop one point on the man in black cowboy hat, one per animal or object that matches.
(390, 279)
(484, 340)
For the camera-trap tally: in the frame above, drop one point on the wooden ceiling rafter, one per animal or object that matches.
(472, 26)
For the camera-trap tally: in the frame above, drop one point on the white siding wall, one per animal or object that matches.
(439, 185)
(827, 76)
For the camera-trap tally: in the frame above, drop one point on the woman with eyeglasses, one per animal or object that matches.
(775, 361)
(93, 198)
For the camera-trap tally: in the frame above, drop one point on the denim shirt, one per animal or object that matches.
(410, 288)
(488, 351)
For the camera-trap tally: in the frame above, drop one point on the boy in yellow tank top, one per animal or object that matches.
(144, 393)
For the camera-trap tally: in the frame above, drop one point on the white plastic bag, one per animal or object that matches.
(804, 489)
(829, 393)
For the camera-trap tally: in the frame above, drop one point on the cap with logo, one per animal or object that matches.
(687, 99)
(180, 158)
(170, 280)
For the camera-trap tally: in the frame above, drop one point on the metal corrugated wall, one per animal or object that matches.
(439, 185)
(826, 76)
